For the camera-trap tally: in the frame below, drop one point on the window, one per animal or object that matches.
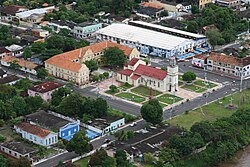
(31, 137)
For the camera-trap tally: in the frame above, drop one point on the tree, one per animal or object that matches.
(64, 32)
(189, 76)
(71, 105)
(101, 76)
(101, 107)
(79, 143)
(195, 9)
(42, 73)
(27, 53)
(14, 65)
(214, 37)
(19, 105)
(121, 158)
(38, 47)
(148, 158)
(101, 159)
(92, 65)
(113, 88)
(95, 78)
(7, 92)
(6, 110)
(152, 111)
(113, 57)
(23, 84)
(59, 94)
(33, 103)
(55, 42)
(50, 53)
(3, 161)
(106, 74)
(192, 26)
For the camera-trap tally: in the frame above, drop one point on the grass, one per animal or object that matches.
(82, 162)
(194, 88)
(167, 98)
(131, 97)
(203, 84)
(128, 117)
(110, 92)
(8, 133)
(211, 112)
(126, 86)
(144, 91)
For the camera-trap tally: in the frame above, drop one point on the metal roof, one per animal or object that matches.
(34, 11)
(170, 29)
(144, 36)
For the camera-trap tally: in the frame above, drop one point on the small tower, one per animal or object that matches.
(172, 75)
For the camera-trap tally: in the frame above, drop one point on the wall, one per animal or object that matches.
(13, 153)
(45, 96)
(69, 130)
(84, 32)
(31, 71)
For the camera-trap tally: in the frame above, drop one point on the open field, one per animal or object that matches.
(211, 111)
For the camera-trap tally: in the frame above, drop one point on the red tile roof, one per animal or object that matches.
(21, 62)
(125, 72)
(150, 72)
(135, 77)
(33, 129)
(45, 87)
(133, 61)
(219, 57)
(12, 9)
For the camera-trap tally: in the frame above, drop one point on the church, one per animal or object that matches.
(136, 73)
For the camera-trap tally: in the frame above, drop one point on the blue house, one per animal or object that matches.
(65, 127)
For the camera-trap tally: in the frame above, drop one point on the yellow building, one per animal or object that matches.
(70, 65)
(204, 3)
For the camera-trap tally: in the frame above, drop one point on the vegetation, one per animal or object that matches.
(144, 91)
(6, 37)
(124, 135)
(189, 76)
(113, 57)
(79, 144)
(127, 117)
(92, 65)
(131, 97)
(42, 73)
(101, 159)
(152, 112)
(169, 99)
(113, 89)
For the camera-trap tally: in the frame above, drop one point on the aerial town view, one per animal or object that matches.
(124, 83)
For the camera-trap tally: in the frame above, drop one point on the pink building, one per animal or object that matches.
(44, 90)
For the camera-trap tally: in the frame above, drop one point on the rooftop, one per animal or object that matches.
(143, 36)
(12, 9)
(19, 147)
(8, 79)
(35, 11)
(220, 57)
(148, 10)
(70, 24)
(133, 61)
(47, 120)
(201, 56)
(33, 129)
(21, 62)
(14, 47)
(104, 121)
(4, 50)
(147, 140)
(2, 72)
(151, 72)
(45, 87)
(168, 29)
(85, 24)
(150, 4)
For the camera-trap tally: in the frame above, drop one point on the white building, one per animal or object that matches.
(199, 60)
(136, 72)
(85, 30)
(25, 65)
(229, 65)
(16, 50)
(105, 125)
(36, 134)
(17, 149)
(152, 39)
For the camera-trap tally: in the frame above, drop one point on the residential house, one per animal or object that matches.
(64, 126)
(16, 50)
(136, 72)
(25, 65)
(229, 65)
(104, 125)
(27, 15)
(17, 149)
(69, 65)
(57, 25)
(199, 60)
(7, 78)
(4, 52)
(86, 29)
(40, 33)
(8, 13)
(36, 134)
(147, 13)
(44, 90)
(234, 4)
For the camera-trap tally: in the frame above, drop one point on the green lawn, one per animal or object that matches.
(169, 99)
(203, 84)
(211, 112)
(82, 162)
(194, 88)
(126, 86)
(144, 91)
(110, 92)
(131, 97)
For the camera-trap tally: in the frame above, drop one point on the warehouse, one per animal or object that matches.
(151, 41)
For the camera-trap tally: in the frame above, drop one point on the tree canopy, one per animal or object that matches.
(113, 57)
(152, 111)
(189, 76)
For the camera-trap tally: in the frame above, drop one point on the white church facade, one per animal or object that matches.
(136, 73)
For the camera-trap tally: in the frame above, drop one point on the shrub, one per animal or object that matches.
(2, 138)
(106, 74)
(1, 122)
